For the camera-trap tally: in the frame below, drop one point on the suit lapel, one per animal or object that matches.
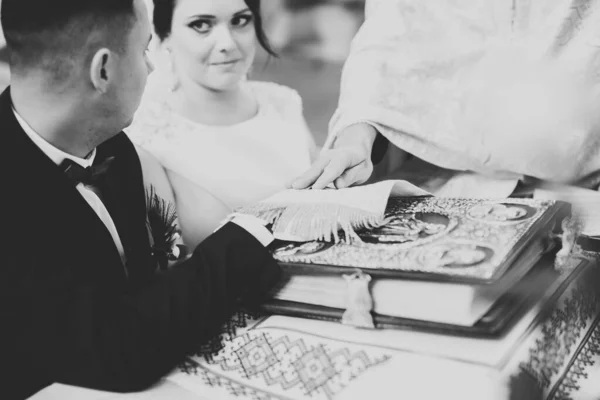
(112, 197)
(124, 196)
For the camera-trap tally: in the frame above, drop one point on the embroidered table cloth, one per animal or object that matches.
(551, 354)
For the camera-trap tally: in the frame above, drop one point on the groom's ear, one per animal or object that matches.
(102, 69)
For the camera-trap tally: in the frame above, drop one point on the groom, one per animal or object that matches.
(81, 300)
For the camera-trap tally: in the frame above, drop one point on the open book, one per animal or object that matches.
(398, 252)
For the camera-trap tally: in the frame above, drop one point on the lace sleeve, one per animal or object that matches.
(296, 110)
(151, 121)
(289, 106)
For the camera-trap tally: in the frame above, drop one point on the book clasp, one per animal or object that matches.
(359, 302)
(571, 252)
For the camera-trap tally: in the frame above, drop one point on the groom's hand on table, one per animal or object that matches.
(347, 163)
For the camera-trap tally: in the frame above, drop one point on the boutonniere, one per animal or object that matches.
(161, 220)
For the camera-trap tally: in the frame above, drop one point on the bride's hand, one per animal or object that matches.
(347, 163)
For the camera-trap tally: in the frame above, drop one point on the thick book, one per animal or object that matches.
(437, 301)
(421, 258)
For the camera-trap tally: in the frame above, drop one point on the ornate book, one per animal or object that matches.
(435, 260)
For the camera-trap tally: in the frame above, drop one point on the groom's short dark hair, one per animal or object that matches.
(51, 33)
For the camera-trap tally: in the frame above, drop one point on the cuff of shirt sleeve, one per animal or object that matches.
(255, 227)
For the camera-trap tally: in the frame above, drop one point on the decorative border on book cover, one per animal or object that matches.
(453, 237)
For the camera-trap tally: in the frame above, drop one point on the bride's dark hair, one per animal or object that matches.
(163, 18)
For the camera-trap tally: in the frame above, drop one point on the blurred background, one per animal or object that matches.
(312, 38)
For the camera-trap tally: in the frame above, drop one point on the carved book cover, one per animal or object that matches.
(435, 238)
(389, 254)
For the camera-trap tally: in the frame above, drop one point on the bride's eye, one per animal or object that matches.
(201, 25)
(241, 21)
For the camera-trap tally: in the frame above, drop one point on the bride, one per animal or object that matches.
(224, 141)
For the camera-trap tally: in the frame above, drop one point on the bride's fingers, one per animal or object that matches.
(331, 172)
(311, 175)
(351, 176)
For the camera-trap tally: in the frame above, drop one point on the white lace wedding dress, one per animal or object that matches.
(236, 165)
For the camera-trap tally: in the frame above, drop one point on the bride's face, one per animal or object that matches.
(213, 42)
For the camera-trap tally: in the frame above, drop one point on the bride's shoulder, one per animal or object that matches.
(282, 98)
(155, 175)
(153, 118)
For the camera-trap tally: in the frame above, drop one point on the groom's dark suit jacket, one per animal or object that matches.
(69, 313)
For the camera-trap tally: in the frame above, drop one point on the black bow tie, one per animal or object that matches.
(88, 176)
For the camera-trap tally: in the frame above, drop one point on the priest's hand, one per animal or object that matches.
(347, 163)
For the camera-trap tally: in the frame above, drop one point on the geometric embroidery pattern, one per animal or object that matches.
(574, 23)
(560, 334)
(289, 366)
(585, 357)
(569, 341)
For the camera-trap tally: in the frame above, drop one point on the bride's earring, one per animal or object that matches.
(174, 80)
